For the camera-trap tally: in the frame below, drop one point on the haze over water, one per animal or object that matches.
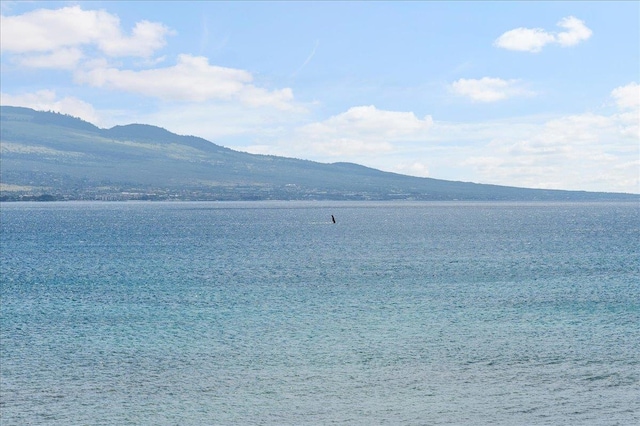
(267, 313)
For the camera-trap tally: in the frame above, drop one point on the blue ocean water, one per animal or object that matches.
(267, 313)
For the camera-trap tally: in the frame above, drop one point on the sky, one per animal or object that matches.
(528, 94)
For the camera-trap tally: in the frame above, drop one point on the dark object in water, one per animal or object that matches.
(333, 219)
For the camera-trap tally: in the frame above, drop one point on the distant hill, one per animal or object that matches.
(49, 156)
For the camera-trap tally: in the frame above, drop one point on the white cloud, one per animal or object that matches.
(629, 124)
(414, 168)
(525, 39)
(65, 58)
(363, 130)
(258, 97)
(47, 100)
(576, 32)
(534, 39)
(627, 97)
(489, 89)
(146, 38)
(371, 121)
(47, 30)
(191, 79)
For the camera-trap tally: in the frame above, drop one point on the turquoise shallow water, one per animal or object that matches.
(268, 314)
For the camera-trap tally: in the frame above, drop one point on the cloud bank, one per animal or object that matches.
(595, 150)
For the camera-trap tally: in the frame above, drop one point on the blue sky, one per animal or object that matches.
(533, 94)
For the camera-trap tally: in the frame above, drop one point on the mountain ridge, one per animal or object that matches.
(57, 156)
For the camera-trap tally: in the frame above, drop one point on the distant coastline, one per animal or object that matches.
(48, 156)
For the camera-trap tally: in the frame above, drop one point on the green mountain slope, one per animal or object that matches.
(67, 158)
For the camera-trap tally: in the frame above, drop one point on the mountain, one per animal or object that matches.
(46, 156)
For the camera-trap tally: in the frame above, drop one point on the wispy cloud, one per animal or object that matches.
(311, 55)
(204, 34)
(534, 39)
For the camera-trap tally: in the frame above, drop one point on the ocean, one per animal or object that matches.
(268, 313)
